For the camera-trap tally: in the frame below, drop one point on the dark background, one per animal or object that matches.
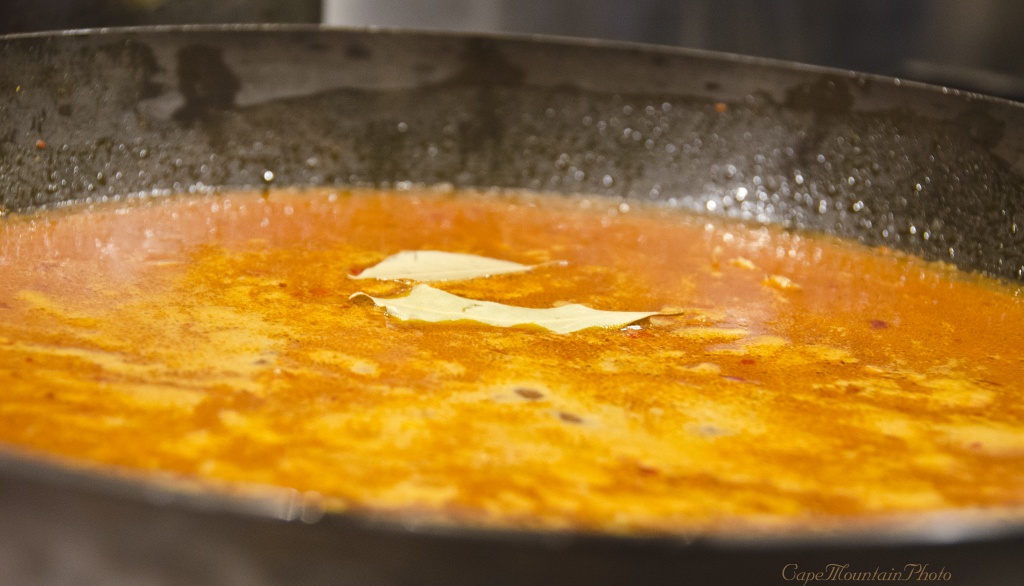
(977, 44)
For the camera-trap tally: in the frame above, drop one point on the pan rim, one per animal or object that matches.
(537, 39)
(950, 529)
(282, 504)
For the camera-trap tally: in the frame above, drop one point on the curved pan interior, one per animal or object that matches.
(931, 171)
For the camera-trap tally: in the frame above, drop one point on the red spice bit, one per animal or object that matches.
(853, 389)
(319, 292)
(356, 271)
(646, 470)
(721, 107)
(29, 359)
(975, 445)
(282, 285)
(40, 144)
(877, 324)
(747, 361)
(531, 394)
(569, 417)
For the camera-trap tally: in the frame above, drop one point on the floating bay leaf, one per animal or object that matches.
(425, 303)
(434, 265)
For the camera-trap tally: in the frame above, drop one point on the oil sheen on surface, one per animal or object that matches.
(804, 382)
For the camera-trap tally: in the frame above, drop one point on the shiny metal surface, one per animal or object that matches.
(167, 110)
(969, 45)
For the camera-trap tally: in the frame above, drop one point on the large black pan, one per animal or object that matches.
(924, 169)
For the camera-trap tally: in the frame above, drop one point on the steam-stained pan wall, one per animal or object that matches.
(915, 167)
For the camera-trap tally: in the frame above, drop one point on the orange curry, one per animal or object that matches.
(791, 381)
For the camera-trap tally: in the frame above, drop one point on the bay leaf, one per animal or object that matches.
(425, 303)
(435, 265)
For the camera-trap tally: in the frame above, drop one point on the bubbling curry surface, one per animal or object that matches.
(801, 382)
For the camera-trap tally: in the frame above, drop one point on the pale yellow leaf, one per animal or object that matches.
(435, 265)
(425, 303)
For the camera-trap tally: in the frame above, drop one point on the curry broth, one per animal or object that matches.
(800, 381)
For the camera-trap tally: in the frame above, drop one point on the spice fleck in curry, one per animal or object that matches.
(788, 381)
